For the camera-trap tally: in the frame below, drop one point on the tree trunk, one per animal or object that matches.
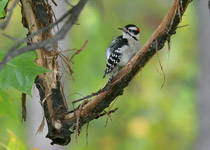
(34, 119)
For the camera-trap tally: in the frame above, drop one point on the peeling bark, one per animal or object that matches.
(37, 15)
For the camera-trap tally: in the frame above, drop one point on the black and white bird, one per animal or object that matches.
(122, 49)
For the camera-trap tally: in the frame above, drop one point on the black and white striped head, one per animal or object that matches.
(131, 31)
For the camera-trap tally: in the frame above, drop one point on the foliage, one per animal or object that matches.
(6, 106)
(3, 4)
(20, 72)
(14, 143)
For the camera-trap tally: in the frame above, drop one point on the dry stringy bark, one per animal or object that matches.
(37, 16)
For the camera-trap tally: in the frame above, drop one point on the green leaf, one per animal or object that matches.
(3, 3)
(20, 72)
(6, 106)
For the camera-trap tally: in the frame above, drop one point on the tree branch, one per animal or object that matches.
(93, 108)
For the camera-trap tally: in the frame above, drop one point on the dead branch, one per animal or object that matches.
(37, 17)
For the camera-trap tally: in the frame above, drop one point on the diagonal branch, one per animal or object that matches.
(162, 34)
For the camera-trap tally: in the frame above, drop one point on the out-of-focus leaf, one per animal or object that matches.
(2, 145)
(6, 106)
(139, 127)
(15, 143)
(20, 72)
(3, 3)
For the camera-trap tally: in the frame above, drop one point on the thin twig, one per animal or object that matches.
(77, 122)
(78, 51)
(161, 67)
(68, 60)
(54, 3)
(41, 127)
(106, 113)
(109, 109)
(67, 2)
(4, 24)
(105, 88)
(23, 98)
(10, 37)
(183, 26)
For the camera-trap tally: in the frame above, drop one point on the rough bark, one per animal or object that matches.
(37, 14)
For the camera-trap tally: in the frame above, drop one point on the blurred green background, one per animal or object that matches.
(149, 117)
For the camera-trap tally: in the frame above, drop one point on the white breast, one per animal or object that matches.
(128, 52)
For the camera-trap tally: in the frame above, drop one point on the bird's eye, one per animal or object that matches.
(136, 32)
(129, 30)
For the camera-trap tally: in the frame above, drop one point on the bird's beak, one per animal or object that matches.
(121, 29)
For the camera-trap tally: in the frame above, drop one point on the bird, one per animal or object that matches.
(121, 50)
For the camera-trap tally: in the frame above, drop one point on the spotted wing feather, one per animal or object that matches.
(114, 53)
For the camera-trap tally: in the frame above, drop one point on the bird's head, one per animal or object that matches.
(131, 31)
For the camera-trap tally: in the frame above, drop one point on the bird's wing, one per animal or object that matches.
(114, 53)
(113, 46)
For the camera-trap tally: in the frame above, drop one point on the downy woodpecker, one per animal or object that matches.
(122, 49)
